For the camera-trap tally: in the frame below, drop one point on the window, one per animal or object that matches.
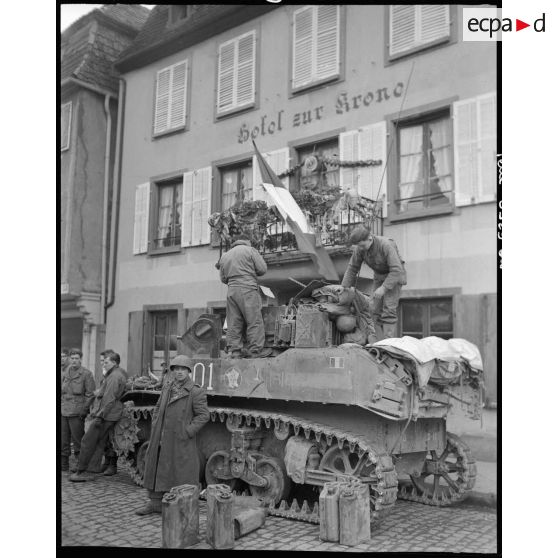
(65, 125)
(164, 326)
(425, 317)
(413, 27)
(316, 55)
(237, 73)
(315, 174)
(236, 184)
(178, 13)
(425, 164)
(170, 98)
(168, 230)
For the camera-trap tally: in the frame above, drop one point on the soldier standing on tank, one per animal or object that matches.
(172, 456)
(239, 269)
(106, 411)
(382, 256)
(78, 386)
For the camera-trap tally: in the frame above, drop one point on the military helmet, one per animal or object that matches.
(345, 323)
(180, 360)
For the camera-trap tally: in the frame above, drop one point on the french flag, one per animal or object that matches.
(293, 216)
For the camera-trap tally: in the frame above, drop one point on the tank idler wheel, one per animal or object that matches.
(278, 483)
(216, 463)
(446, 478)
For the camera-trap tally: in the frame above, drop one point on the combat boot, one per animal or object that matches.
(149, 508)
(82, 476)
(111, 468)
(265, 352)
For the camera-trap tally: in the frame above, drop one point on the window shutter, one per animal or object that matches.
(246, 69)
(433, 23)
(327, 41)
(401, 28)
(303, 46)
(226, 76)
(134, 364)
(177, 116)
(486, 110)
(141, 218)
(348, 151)
(379, 152)
(372, 145)
(201, 203)
(65, 125)
(187, 205)
(162, 100)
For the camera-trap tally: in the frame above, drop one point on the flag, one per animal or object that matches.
(295, 218)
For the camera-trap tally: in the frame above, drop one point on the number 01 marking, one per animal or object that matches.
(209, 386)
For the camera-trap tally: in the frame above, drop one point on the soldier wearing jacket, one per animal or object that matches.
(382, 256)
(105, 412)
(172, 456)
(239, 269)
(78, 386)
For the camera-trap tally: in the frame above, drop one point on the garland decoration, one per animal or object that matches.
(334, 162)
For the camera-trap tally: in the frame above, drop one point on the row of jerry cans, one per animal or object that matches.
(228, 516)
(345, 512)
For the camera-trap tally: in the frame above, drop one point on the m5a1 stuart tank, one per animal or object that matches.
(317, 411)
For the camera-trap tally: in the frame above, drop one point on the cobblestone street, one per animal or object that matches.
(101, 513)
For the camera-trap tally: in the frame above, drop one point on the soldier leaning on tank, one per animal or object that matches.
(105, 412)
(78, 387)
(239, 269)
(172, 456)
(382, 256)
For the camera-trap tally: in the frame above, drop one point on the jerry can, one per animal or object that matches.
(220, 527)
(249, 513)
(354, 513)
(329, 512)
(180, 516)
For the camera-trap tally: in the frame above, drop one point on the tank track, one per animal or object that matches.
(383, 492)
(467, 476)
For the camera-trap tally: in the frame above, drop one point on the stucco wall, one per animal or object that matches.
(440, 252)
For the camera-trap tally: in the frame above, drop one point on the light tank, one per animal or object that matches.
(317, 411)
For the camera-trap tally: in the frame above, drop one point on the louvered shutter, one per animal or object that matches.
(401, 28)
(200, 206)
(226, 76)
(303, 46)
(327, 41)
(162, 100)
(465, 131)
(486, 110)
(187, 205)
(177, 115)
(141, 219)
(65, 125)
(379, 153)
(348, 151)
(246, 69)
(433, 23)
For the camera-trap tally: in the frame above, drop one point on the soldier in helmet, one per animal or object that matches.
(382, 256)
(172, 456)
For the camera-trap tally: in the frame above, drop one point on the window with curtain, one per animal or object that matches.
(424, 317)
(236, 184)
(164, 327)
(169, 211)
(315, 174)
(425, 164)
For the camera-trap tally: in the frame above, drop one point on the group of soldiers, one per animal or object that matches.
(241, 266)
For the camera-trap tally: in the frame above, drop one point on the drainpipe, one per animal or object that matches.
(105, 209)
(116, 195)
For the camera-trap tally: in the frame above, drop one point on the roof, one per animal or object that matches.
(90, 46)
(158, 38)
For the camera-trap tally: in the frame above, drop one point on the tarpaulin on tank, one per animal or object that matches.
(467, 351)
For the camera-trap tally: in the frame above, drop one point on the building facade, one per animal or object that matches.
(88, 112)
(309, 84)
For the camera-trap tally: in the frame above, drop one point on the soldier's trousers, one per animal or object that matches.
(94, 435)
(385, 310)
(72, 431)
(244, 307)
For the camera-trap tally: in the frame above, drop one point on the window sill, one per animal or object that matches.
(165, 250)
(234, 111)
(168, 132)
(391, 59)
(314, 85)
(434, 212)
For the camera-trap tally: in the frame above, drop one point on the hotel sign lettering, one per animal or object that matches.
(269, 125)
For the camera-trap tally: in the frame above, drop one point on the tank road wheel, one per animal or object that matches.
(445, 479)
(136, 463)
(216, 468)
(341, 461)
(278, 483)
